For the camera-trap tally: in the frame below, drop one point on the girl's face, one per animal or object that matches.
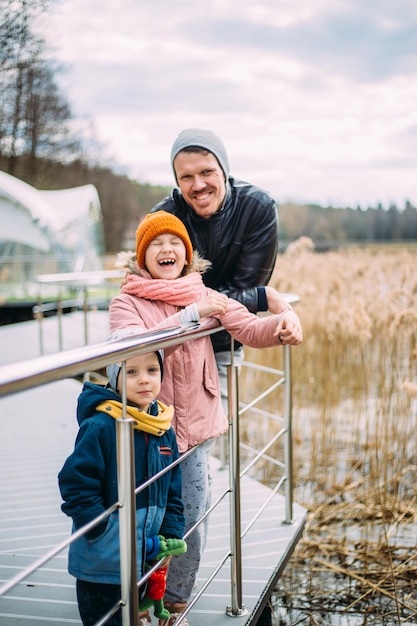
(143, 380)
(165, 256)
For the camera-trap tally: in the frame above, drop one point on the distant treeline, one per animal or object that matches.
(124, 202)
(330, 226)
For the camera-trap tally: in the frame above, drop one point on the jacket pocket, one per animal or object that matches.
(97, 559)
(208, 381)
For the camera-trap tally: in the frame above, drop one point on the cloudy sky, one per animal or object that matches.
(316, 100)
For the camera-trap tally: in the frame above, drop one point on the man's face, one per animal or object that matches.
(201, 180)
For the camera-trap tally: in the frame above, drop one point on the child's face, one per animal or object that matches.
(165, 256)
(143, 380)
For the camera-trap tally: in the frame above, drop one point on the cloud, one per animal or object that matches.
(353, 41)
(315, 99)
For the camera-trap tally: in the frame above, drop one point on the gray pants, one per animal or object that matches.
(183, 568)
(196, 497)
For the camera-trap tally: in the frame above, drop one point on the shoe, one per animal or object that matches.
(176, 610)
(172, 620)
(144, 619)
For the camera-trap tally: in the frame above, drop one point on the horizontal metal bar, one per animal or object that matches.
(79, 278)
(16, 377)
(261, 396)
(264, 506)
(261, 453)
(203, 588)
(66, 304)
(56, 550)
(207, 513)
(262, 413)
(265, 457)
(166, 469)
(104, 620)
(262, 368)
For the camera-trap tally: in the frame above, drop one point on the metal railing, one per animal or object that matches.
(80, 282)
(45, 369)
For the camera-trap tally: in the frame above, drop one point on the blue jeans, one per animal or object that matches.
(95, 599)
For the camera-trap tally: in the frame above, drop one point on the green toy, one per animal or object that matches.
(158, 548)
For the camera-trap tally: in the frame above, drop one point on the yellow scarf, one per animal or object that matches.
(153, 424)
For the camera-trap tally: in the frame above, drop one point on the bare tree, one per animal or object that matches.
(34, 115)
(18, 49)
(16, 36)
(47, 116)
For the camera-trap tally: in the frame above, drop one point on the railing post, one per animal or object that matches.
(85, 317)
(59, 312)
(288, 436)
(127, 514)
(236, 608)
(39, 317)
(85, 320)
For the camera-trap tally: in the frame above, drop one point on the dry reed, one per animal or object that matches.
(355, 413)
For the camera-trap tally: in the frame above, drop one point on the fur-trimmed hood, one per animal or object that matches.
(127, 261)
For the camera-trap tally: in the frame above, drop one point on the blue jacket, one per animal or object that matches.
(88, 484)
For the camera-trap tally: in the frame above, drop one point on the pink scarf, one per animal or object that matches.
(179, 291)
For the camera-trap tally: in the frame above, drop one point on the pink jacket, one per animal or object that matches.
(190, 382)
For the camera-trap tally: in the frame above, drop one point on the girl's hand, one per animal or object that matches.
(215, 303)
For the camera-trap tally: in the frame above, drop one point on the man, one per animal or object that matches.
(234, 225)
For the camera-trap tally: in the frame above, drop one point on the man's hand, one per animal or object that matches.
(289, 328)
(276, 302)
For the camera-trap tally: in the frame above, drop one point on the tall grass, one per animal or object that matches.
(355, 433)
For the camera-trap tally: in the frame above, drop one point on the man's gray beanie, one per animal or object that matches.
(201, 138)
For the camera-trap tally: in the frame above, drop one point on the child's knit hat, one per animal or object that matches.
(201, 138)
(113, 370)
(155, 224)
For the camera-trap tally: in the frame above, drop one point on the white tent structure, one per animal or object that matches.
(44, 232)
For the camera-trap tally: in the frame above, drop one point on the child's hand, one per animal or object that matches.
(168, 547)
(215, 303)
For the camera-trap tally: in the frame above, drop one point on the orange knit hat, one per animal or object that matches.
(153, 225)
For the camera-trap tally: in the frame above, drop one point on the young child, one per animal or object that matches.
(163, 287)
(88, 484)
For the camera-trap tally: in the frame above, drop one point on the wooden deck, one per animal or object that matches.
(38, 428)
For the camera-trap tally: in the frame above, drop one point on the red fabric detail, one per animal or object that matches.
(157, 583)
